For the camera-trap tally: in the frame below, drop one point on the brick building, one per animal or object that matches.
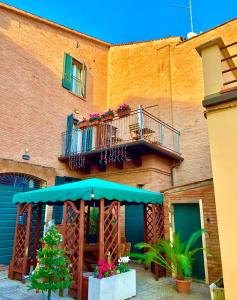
(39, 102)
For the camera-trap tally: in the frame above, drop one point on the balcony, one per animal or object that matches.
(126, 138)
(220, 71)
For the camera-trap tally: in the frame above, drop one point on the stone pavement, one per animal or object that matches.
(147, 289)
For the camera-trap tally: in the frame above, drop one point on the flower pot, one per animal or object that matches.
(95, 122)
(83, 124)
(117, 287)
(183, 286)
(107, 118)
(123, 113)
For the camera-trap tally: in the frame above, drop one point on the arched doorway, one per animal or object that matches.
(10, 184)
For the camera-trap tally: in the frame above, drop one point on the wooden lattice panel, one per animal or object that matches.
(112, 231)
(71, 237)
(73, 242)
(159, 221)
(35, 225)
(20, 242)
(153, 223)
(19, 264)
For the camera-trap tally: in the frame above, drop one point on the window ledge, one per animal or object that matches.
(82, 98)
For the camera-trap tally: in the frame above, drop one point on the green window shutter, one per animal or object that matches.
(69, 134)
(67, 72)
(84, 74)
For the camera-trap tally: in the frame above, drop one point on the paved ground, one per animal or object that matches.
(147, 289)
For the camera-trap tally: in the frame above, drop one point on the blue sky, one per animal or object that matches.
(131, 20)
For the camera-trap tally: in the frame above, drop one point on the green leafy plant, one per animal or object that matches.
(175, 256)
(123, 266)
(94, 219)
(52, 271)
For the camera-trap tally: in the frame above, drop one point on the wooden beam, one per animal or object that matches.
(26, 246)
(119, 165)
(88, 220)
(101, 168)
(119, 229)
(137, 161)
(37, 234)
(64, 223)
(101, 229)
(81, 249)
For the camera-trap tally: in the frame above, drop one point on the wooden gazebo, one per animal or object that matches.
(77, 199)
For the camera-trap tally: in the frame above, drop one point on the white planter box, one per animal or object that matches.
(117, 287)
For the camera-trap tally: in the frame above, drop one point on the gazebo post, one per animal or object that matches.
(101, 229)
(119, 229)
(88, 221)
(27, 239)
(81, 249)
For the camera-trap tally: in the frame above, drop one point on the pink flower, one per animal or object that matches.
(37, 291)
(100, 276)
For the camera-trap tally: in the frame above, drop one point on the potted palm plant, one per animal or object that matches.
(175, 256)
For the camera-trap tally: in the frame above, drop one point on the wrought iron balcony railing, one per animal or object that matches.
(116, 136)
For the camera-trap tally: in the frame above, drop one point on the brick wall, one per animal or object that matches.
(34, 105)
(203, 190)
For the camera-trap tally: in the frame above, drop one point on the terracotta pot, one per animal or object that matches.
(124, 113)
(183, 286)
(107, 118)
(83, 124)
(94, 123)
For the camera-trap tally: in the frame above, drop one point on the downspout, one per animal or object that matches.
(172, 172)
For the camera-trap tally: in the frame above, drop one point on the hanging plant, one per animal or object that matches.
(123, 110)
(107, 115)
(94, 119)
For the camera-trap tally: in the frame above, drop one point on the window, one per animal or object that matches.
(74, 76)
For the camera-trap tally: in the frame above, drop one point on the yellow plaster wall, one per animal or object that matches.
(223, 144)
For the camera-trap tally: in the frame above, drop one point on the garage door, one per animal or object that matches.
(10, 184)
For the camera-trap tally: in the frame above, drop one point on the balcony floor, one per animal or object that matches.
(135, 149)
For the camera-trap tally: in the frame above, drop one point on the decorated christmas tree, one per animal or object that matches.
(52, 271)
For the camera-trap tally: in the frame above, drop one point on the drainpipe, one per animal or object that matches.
(172, 172)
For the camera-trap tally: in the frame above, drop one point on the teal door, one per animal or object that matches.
(186, 221)
(134, 224)
(8, 212)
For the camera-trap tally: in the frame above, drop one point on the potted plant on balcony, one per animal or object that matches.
(107, 115)
(175, 256)
(83, 123)
(123, 110)
(94, 119)
(112, 282)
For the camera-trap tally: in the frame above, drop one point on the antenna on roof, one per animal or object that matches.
(189, 7)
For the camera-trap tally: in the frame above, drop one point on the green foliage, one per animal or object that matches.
(175, 256)
(123, 266)
(94, 219)
(52, 271)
